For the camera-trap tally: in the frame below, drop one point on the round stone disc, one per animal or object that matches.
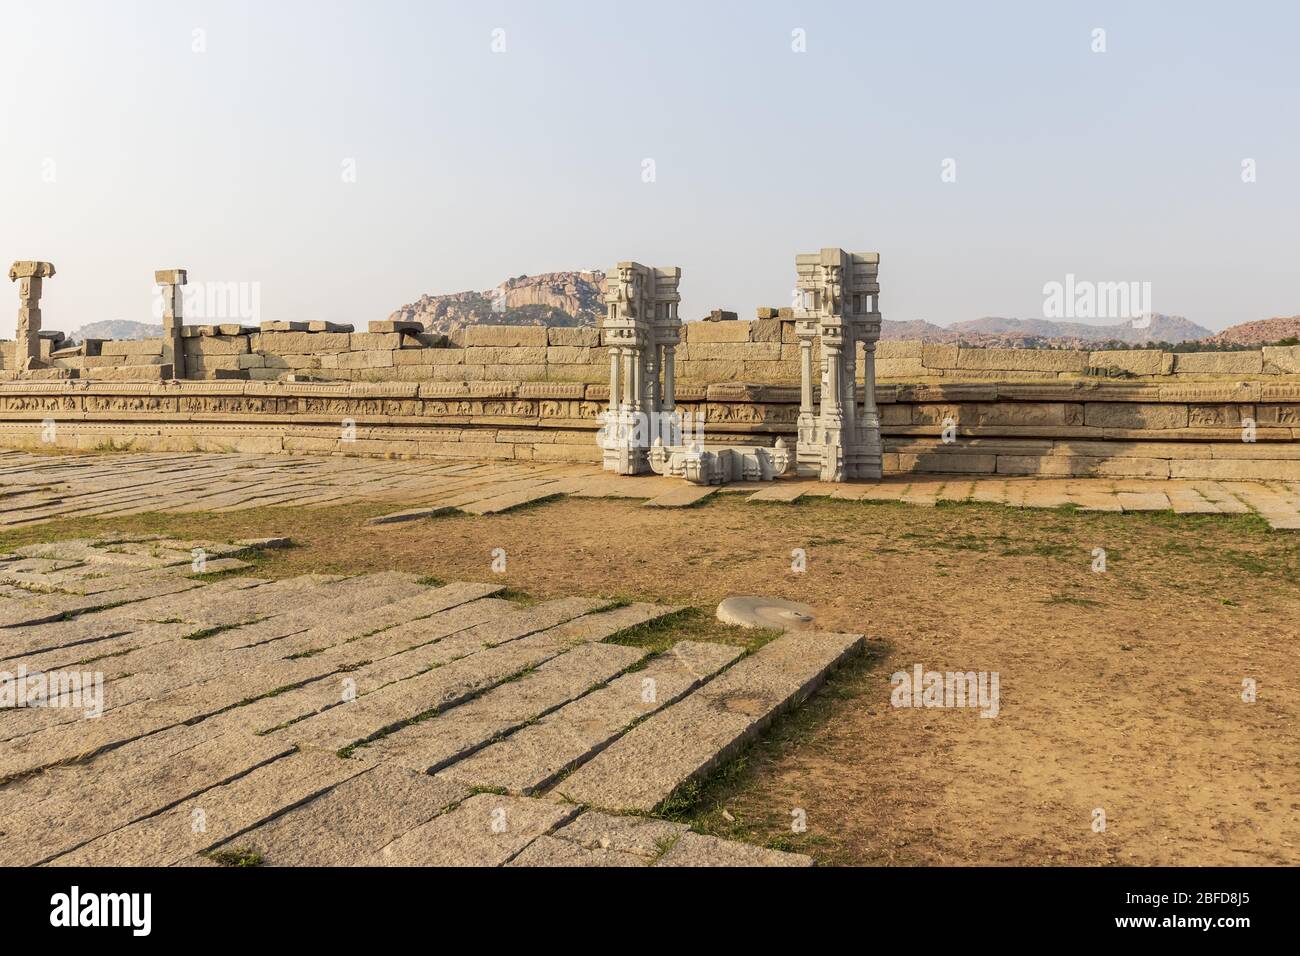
(765, 612)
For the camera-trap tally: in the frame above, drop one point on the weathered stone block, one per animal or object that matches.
(372, 359)
(365, 341)
(504, 356)
(730, 352)
(1136, 361)
(389, 326)
(510, 336)
(766, 329)
(216, 345)
(132, 347)
(1219, 363)
(576, 338)
(705, 333)
(1282, 359)
(303, 343)
(936, 356)
(898, 350)
(905, 368)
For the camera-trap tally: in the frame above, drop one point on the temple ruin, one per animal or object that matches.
(807, 390)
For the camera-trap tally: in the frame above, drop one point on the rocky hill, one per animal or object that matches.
(116, 329)
(1260, 332)
(550, 298)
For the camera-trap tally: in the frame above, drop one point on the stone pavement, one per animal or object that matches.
(152, 715)
(37, 488)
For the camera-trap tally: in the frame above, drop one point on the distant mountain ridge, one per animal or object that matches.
(994, 331)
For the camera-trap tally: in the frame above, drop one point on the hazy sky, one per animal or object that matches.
(225, 151)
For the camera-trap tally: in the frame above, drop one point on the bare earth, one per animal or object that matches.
(1120, 690)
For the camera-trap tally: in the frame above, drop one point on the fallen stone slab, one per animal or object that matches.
(411, 514)
(485, 830)
(353, 820)
(780, 491)
(642, 768)
(533, 757)
(682, 497)
(693, 849)
(216, 816)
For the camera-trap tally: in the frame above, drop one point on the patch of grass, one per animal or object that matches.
(429, 581)
(689, 624)
(1073, 600)
(236, 856)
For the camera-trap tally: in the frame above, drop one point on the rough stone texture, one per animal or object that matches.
(224, 812)
(352, 821)
(443, 739)
(692, 849)
(691, 737)
(485, 830)
(533, 757)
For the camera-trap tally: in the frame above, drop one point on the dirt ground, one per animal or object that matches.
(1121, 690)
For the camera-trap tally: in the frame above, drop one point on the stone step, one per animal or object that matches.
(217, 816)
(533, 757)
(59, 823)
(485, 830)
(372, 715)
(432, 744)
(642, 768)
(682, 497)
(353, 820)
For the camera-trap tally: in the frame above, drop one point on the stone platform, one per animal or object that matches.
(370, 720)
(39, 488)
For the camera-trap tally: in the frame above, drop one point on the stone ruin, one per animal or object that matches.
(29, 276)
(838, 310)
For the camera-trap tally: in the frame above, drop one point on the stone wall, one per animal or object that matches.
(762, 351)
(1175, 428)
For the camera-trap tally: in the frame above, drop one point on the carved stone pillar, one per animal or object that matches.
(838, 291)
(27, 345)
(171, 281)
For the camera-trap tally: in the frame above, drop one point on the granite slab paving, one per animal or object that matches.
(535, 756)
(445, 738)
(640, 770)
(42, 488)
(352, 821)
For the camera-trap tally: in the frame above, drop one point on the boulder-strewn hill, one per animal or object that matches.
(551, 298)
(1260, 332)
(116, 329)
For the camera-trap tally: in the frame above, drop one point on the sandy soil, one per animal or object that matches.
(1120, 690)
